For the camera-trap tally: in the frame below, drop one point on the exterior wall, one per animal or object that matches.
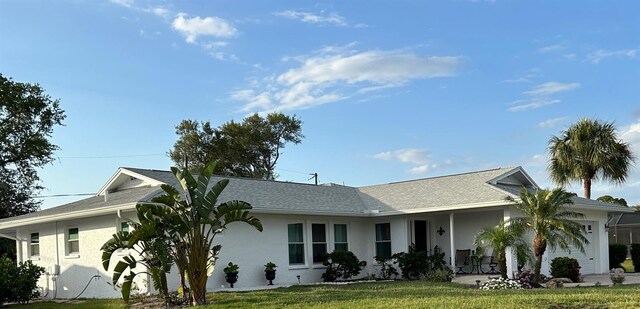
(76, 270)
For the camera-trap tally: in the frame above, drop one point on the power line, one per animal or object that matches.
(284, 170)
(114, 156)
(63, 195)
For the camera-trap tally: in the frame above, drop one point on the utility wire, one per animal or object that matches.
(114, 156)
(63, 195)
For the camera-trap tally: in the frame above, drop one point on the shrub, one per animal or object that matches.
(617, 255)
(501, 284)
(18, 283)
(341, 265)
(617, 276)
(565, 267)
(414, 264)
(635, 257)
(438, 275)
(387, 270)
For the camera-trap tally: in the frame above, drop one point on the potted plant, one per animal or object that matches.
(270, 272)
(231, 273)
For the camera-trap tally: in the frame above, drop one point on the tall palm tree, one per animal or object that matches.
(545, 213)
(501, 237)
(197, 218)
(589, 150)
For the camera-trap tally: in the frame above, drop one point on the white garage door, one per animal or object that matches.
(586, 259)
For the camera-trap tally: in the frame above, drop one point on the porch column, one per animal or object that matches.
(452, 243)
(511, 267)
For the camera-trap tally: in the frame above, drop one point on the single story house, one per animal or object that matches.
(300, 222)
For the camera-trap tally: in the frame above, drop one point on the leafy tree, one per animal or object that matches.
(500, 237)
(27, 119)
(250, 148)
(589, 150)
(610, 199)
(197, 219)
(545, 213)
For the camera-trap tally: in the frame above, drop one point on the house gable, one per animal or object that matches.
(126, 178)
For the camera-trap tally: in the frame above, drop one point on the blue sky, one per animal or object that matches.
(387, 91)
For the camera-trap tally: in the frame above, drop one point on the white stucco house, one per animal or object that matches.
(300, 221)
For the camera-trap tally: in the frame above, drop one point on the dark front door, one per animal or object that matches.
(420, 235)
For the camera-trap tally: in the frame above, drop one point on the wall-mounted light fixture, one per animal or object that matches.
(606, 227)
(440, 231)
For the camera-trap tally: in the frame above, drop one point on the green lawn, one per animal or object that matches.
(405, 294)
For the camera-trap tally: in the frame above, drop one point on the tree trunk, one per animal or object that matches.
(539, 247)
(587, 187)
(502, 266)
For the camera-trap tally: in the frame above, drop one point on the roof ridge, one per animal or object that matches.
(442, 176)
(241, 178)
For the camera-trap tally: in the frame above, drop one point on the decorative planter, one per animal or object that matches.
(231, 278)
(270, 275)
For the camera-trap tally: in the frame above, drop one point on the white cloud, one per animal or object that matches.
(124, 3)
(524, 78)
(551, 88)
(311, 18)
(192, 28)
(601, 54)
(535, 103)
(536, 160)
(550, 48)
(421, 159)
(631, 134)
(160, 11)
(321, 79)
(552, 123)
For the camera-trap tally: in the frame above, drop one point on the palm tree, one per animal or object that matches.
(197, 218)
(545, 213)
(501, 237)
(589, 150)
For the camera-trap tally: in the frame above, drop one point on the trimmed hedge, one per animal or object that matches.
(18, 283)
(635, 256)
(565, 267)
(617, 255)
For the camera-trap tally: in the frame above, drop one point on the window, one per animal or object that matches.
(124, 227)
(340, 237)
(296, 243)
(319, 241)
(383, 240)
(34, 244)
(73, 245)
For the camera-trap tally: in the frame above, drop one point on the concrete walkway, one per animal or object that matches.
(589, 280)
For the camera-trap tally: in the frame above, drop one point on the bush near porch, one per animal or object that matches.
(404, 294)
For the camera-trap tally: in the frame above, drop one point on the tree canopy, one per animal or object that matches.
(250, 148)
(589, 150)
(27, 119)
(614, 200)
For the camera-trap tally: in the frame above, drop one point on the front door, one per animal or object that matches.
(420, 235)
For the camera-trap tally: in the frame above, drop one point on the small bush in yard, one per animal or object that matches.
(387, 270)
(501, 284)
(18, 283)
(617, 255)
(617, 276)
(635, 257)
(565, 267)
(438, 275)
(341, 265)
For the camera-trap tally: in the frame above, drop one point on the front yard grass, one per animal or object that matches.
(405, 294)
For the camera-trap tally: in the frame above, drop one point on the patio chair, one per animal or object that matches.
(491, 261)
(462, 260)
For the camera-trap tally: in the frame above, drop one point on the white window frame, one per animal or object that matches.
(31, 255)
(376, 241)
(304, 245)
(326, 241)
(67, 241)
(121, 222)
(333, 234)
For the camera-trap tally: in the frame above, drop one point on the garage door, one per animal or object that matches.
(586, 259)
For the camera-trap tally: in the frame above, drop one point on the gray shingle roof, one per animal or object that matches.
(96, 202)
(460, 189)
(474, 189)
